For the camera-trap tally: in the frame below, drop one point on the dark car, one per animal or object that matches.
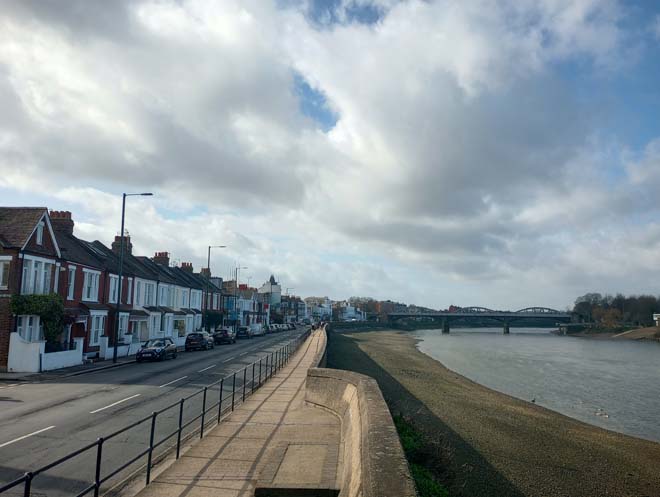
(224, 335)
(157, 349)
(200, 340)
(244, 332)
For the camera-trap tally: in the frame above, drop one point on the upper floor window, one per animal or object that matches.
(72, 283)
(91, 285)
(37, 276)
(149, 294)
(138, 293)
(114, 288)
(40, 233)
(129, 291)
(4, 274)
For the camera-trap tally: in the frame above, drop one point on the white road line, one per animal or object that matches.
(230, 359)
(206, 369)
(244, 353)
(114, 404)
(173, 381)
(26, 436)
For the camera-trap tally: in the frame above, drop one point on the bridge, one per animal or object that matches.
(504, 317)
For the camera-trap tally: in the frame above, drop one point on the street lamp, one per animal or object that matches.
(205, 317)
(121, 266)
(237, 272)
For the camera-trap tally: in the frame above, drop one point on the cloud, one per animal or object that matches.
(462, 159)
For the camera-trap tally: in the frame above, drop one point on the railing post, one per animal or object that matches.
(244, 381)
(28, 484)
(151, 445)
(271, 364)
(233, 392)
(252, 390)
(260, 372)
(266, 369)
(222, 387)
(201, 429)
(178, 436)
(97, 472)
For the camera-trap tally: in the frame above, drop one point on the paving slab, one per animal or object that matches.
(272, 439)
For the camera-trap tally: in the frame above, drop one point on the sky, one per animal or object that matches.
(496, 153)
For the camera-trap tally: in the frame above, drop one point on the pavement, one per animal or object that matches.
(272, 441)
(46, 418)
(89, 367)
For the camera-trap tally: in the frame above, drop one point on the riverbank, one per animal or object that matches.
(493, 444)
(651, 334)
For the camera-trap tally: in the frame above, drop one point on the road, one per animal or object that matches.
(41, 422)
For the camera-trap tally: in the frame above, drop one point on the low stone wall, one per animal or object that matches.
(374, 464)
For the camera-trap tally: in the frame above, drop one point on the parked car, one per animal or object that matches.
(224, 335)
(157, 349)
(257, 330)
(199, 340)
(244, 332)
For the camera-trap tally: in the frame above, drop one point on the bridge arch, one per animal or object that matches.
(475, 310)
(538, 310)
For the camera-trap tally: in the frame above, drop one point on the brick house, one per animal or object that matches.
(84, 282)
(29, 264)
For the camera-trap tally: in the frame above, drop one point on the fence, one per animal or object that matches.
(228, 395)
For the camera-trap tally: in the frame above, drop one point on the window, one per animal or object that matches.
(171, 297)
(40, 233)
(29, 328)
(215, 301)
(167, 324)
(129, 292)
(154, 324)
(138, 293)
(91, 285)
(149, 294)
(37, 276)
(72, 283)
(123, 325)
(4, 275)
(114, 287)
(98, 326)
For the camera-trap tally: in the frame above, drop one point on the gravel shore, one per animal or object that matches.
(494, 444)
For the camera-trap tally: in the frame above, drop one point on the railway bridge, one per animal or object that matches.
(474, 313)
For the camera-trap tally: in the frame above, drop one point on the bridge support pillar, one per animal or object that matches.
(506, 328)
(445, 326)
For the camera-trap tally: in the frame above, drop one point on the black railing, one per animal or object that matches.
(226, 403)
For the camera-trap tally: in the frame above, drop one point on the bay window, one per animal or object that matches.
(37, 276)
(123, 325)
(96, 331)
(29, 328)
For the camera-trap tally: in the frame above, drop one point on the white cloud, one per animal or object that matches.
(463, 167)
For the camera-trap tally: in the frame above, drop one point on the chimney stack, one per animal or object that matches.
(162, 258)
(62, 222)
(187, 267)
(206, 272)
(128, 246)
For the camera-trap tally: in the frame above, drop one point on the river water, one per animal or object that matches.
(614, 384)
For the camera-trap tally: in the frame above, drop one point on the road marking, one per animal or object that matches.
(206, 369)
(26, 436)
(230, 359)
(244, 353)
(114, 404)
(173, 381)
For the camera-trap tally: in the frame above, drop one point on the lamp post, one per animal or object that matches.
(237, 272)
(288, 302)
(205, 317)
(121, 267)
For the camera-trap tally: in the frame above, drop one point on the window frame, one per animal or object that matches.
(5, 265)
(71, 282)
(113, 292)
(95, 276)
(95, 339)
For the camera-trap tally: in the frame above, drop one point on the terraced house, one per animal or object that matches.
(61, 297)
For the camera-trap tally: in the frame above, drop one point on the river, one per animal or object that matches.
(614, 384)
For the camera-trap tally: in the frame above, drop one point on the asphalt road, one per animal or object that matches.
(41, 422)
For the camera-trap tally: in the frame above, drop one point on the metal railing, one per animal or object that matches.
(227, 400)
